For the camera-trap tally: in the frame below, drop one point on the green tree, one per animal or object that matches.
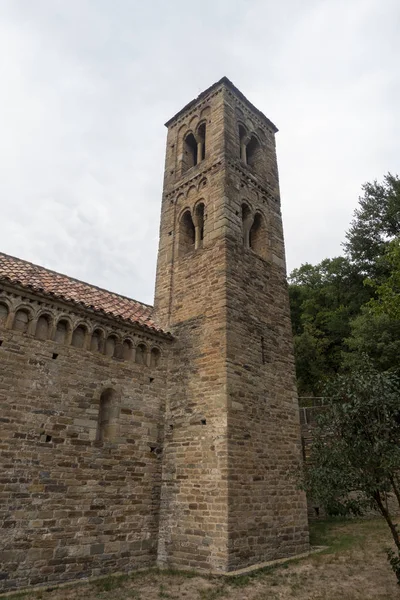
(344, 307)
(355, 456)
(387, 300)
(376, 335)
(376, 223)
(323, 298)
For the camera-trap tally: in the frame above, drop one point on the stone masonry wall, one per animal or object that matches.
(232, 425)
(193, 520)
(267, 513)
(71, 505)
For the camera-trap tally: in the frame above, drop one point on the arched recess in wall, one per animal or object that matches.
(43, 327)
(258, 236)
(110, 346)
(97, 341)
(79, 336)
(107, 427)
(62, 330)
(127, 350)
(187, 234)
(141, 354)
(3, 314)
(119, 351)
(21, 320)
(155, 356)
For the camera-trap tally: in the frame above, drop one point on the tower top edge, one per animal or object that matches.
(224, 81)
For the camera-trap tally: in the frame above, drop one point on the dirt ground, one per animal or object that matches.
(354, 567)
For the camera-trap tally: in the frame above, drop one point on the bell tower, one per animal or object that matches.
(232, 434)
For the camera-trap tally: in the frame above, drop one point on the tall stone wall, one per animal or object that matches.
(267, 512)
(74, 505)
(194, 502)
(229, 497)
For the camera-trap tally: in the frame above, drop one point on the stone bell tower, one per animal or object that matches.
(232, 436)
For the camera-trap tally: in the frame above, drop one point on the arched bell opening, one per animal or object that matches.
(189, 158)
(258, 236)
(187, 234)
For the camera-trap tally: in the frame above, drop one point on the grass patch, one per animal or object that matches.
(163, 593)
(212, 593)
(111, 582)
(340, 534)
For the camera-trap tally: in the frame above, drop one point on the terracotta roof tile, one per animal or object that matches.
(38, 279)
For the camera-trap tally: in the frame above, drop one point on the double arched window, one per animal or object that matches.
(194, 147)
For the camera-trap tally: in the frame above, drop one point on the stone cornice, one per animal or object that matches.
(83, 312)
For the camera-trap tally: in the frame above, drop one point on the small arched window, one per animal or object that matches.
(108, 416)
(258, 236)
(43, 328)
(61, 332)
(127, 349)
(78, 337)
(97, 342)
(111, 344)
(141, 354)
(155, 357)
(3, 314)
(21, 320)
(187, 234)
(189, 158)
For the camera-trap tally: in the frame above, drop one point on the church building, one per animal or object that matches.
(133, 435)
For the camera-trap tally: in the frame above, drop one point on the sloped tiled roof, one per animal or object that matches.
(41, 280)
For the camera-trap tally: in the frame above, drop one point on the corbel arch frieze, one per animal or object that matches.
(71, 322)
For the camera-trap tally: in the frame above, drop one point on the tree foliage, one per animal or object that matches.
(355, 456)
(324, 298)
(376, 223)
(346, 325)
(348, 306)
(387, 299)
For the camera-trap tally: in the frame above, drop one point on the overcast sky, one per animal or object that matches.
(86, 86)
